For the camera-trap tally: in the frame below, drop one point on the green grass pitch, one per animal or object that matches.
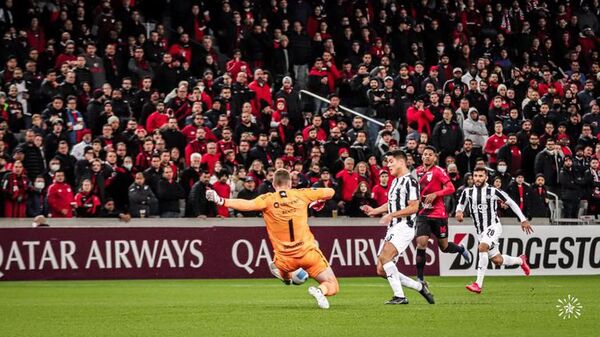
(509, 306)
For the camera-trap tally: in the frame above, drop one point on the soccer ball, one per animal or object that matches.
(299, 276)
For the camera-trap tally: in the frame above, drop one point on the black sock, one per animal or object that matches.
(453, 248)
(420, 263)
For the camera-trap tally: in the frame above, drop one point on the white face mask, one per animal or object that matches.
(127, 166)
(502, 169)
(39, 185)
(54, 168)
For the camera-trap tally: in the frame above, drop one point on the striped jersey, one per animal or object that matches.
(402, 190)
(483, 204)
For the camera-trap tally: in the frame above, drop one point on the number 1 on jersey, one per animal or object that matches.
(291, 228)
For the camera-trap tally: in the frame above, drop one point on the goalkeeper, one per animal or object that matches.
(285, 215)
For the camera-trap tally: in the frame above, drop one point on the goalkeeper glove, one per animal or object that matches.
(211, 195)
(317, 205)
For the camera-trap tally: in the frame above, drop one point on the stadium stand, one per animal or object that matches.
(135, 108)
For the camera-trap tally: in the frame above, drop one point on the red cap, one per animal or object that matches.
(86, 132)
(433, 68)
(342, 150)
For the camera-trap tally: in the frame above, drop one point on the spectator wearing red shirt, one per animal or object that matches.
(182, 49)
(198, 145)
(549, 82)
(157, 119)
(15, 188)
(68, 55)
(380, 190)
(237, 65)
(180, 105)
(211, 157)
(348, 180)
(226, 143)
(189, 131)
(263, 92)
(87, 202)
(223, 189)
(494, 143)
(60, 197)
(143, 159)
(317, 122)
(421, 115)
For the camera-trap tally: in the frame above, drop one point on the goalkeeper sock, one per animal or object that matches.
(508, 260)
(328, 288)
(482, 267)
(393, 277)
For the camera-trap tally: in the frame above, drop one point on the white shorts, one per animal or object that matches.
(399, 235)
(490, 236)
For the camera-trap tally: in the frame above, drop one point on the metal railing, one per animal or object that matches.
(323, 99)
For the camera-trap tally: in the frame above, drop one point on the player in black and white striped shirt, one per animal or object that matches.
(482, 201)
(400, 216)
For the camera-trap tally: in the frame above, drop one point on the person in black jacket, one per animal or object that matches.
(529, 153)
(467, 158)
(300, 47)
(548, 162)
(262, 152)
(331, 204)
(173, 136)
(248, 193)
(333, 146)
(142, 202)
(267, 184)
(520, 193)
(537, 203)
(283, 60)
(592, 182)
(571, 185)
(503, 175)
(360, 198)
(293, 102)
(447, 136)
(153, 174)
(197, 205)
(360, 150)
(169, 194)
(33, 160)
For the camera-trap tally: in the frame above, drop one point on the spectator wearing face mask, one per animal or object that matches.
(36, 203)
(450, 201)
(502, 173)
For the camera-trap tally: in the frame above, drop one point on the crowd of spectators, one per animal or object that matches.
(138, 106)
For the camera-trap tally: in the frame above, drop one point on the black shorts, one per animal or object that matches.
(437, 226)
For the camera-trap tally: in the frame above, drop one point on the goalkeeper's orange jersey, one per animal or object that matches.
(286, 216)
